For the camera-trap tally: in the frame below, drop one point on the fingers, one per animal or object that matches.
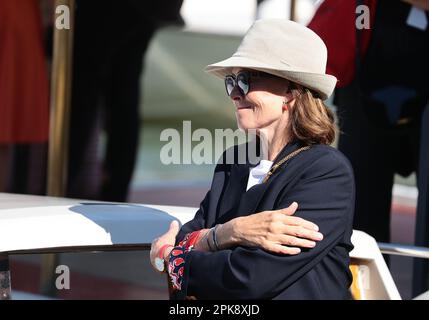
(296, 242)
(281, 249)
(174, 227)
(290, 210)
(289, 245)
(296, 221)
(300, 232)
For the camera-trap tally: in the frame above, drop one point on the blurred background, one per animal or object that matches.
(173, 88)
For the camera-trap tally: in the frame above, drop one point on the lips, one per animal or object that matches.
(244, 107)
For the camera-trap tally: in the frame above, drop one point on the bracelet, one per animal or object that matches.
(207, 238)
(214, 238)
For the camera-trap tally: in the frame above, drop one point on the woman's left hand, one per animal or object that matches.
(168, 238)
(273, 230)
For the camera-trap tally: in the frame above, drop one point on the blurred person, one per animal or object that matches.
(281, 229)
(24, 98)
(111, 38)
(422, 4)
(381, 94)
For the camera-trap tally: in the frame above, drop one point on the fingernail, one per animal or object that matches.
(312, 244)
(319, 236)
(315, 227)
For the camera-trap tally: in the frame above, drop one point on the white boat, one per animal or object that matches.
(37, 224)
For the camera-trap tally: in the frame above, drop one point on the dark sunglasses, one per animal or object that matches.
(242, 81)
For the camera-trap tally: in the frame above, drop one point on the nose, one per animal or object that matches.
(236, 94)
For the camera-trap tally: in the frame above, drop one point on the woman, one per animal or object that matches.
(243, 242)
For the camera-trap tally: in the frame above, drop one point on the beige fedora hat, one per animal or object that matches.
(283, 48)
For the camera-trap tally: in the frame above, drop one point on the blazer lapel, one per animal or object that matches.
(251, 199)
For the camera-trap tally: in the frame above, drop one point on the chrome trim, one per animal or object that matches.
(404, 250)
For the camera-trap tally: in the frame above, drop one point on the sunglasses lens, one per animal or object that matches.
(243, 83)
(229, 85)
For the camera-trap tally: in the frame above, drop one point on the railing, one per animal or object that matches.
(404, 250)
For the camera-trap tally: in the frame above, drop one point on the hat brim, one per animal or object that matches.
(323, 84)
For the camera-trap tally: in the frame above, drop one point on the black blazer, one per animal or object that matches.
(321, 181)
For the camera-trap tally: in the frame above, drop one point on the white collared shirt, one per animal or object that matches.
(258, 173)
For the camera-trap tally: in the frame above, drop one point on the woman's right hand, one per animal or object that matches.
(276, 231)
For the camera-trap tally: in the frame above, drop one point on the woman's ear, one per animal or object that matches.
(288, 102)
(285, 106)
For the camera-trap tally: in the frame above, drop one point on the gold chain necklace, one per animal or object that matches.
(278, 164)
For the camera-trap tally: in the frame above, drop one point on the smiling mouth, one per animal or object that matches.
(248, 107)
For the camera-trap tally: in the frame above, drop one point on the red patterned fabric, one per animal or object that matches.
(176, 263)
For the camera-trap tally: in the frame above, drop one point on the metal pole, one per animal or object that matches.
(61, 80)
(5, 287)
(421, 267)
(293, 10)
(404, 250)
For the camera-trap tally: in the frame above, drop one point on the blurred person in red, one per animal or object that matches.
(383, 106)
(24, 98)
(381, 94)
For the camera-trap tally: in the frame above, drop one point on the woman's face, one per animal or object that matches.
(262, 106)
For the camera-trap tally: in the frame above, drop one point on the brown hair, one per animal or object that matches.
(310, 120)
